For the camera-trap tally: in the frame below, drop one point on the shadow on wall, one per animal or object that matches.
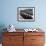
(2, 26)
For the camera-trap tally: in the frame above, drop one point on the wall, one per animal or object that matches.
(8, 13)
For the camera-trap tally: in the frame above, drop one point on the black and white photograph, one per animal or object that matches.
(26, 14)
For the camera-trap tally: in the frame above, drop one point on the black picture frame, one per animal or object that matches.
(26, 14)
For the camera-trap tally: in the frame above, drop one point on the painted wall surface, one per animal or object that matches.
(8, 13)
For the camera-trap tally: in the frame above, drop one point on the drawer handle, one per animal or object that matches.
(11, 38)
(33, 39)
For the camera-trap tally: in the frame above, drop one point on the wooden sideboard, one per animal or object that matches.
(23, 39)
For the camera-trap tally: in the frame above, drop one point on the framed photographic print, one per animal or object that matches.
(26, 14)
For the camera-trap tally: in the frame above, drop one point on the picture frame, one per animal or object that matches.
(26, 14)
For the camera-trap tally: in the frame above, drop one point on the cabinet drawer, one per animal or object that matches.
(34, 33)
(12, 44)
(37, 39)
(37, 44)
(12, 39)
(13, 33)
(33, 39)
